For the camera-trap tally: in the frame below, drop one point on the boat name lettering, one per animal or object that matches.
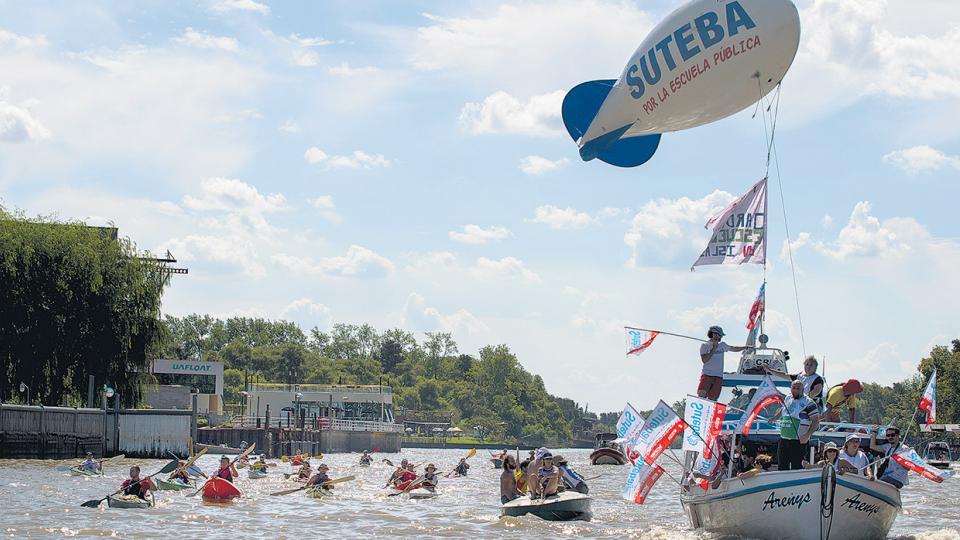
(695, 422)
(856, 504)
(190, 367)
(797, 500)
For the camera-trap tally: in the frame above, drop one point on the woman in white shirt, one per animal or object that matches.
(852, 459)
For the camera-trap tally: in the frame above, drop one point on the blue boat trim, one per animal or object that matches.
(805, 481)
(870, 492)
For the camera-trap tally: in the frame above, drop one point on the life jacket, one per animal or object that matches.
(132, 487)
(226, 474)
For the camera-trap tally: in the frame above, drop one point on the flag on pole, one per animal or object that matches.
(740, 231)
(766, 394)
(928, 403)
(757, 309)
(661, 428)
(641, 479)
(707, 463)
(629, 424)
(704, 420)
(638, 340)
(912, 461)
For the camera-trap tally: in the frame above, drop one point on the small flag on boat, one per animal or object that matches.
(757, 309)
(707, 463)
(704, 420)
(740, 231)
(765, 395)
(629, 423)
(928, 403)
(638, 340)
(640, 481)
(911, 460)
(660, 429)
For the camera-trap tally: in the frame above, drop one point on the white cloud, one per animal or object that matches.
(224, 6)
(826, 221)
(434, 261)
(345, 70)
(355, 160)
(358, 262)
(327, 210)
(290, 127)
(502, 113)
(921, 159)
(17, 123)
(507, 268)
(234, 250)
(536, 165)
(202, 40)
(18, 41)
(233, 195)
(864, 235)
(561, 218)
(613, 212)
(419, 317)
(310, 41)
(475, 234)
(304, 58)
(315, 311)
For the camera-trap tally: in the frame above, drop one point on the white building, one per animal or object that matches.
(358, 403)
(206, 378)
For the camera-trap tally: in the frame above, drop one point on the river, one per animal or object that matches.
(38, 501)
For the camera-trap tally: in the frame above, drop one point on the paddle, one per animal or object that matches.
(189, 463)
(301, 488)
(388, 462)
(169, 467)
(245, 453)
(470, 454)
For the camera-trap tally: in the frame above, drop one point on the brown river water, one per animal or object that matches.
(38, 501)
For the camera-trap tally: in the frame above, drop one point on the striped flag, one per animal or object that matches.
(638, 340)
(757, 309)
(641, 480)
(928, 403)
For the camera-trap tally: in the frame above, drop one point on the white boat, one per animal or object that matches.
(565, 506)
(797, 505)
(422, 493)
(218, 449)
(937, 454)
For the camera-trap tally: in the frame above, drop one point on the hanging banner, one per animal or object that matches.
(765, 395)
(740, 231)
(928, 403)
(638, 340)
(661, 428)
(640, 481)
(707, 464)
(911, 460)
(704, 419)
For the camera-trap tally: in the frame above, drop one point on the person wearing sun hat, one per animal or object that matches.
(830, 453)
(321, 478)
(851, 458)
(430, 478)
(840, 395)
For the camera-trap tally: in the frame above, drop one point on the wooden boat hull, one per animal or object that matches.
(566, 506)
(173, 485)
(788, 504)
(128, 501)
(607, 456)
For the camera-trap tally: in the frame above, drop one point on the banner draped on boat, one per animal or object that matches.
(911, 460)
(928, 403)
(638, 340)
(629, 424)
(704, 419)
(660, 429)
(740, 231)
(765, 395)
(707, 463)
(641, 479)
(757, 309)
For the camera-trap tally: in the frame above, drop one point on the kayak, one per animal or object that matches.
(318, 493)
(364, 463)
(173, 485)
(255, 474)
(77, 471)
(220, 490)
(565, 506)
(421, 493)
(127, 501)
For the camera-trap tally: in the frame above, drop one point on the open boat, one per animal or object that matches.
(173, 485)
(218, 449)
(607, 452)
(564, 506)
(220, 490)
(319, 493)
(937, 454)
(128, 501)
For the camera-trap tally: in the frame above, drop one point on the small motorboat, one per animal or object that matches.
(938, 454)
(564, 506)
(173, 485)
(128, 501)
(218, 449)
(220, 490)
(606, 451)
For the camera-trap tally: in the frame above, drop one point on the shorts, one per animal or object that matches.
(710, 387)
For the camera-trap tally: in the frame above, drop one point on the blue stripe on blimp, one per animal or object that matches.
(870, 492)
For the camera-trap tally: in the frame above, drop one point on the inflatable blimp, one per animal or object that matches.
(707, 60)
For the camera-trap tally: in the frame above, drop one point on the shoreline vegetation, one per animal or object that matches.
(77, 301)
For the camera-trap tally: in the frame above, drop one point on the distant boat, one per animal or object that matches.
(218, 449)
(938, 454)
(607, 452)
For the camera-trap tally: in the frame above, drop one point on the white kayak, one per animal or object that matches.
(564, 506)
(421, 493)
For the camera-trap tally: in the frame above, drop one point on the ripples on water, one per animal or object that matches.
(37, 501)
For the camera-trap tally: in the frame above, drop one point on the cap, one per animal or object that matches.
(830, 446)
(852, 386)
(540, 452)
(852, 437)
(547, 455)
(716, 329)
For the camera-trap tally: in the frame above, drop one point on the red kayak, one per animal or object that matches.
(220, 490)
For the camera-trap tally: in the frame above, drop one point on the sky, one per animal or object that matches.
(403, 164)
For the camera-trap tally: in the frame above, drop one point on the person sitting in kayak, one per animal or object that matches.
(462, 467)
(305, 471)
(318, 480)
(508, 480)
(548, 476)
(365, 459)
(135, 485)
(180, 475)
(261, 464)
(430, 478)
(227, 470)
(403, 476)
(571, 480)
(90, 464)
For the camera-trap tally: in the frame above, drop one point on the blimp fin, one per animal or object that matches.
(630, 151)
(582, 104)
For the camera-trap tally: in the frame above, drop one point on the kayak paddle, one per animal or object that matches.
(100, 461)
(470, 454)
(388, 462)
(245, 453)
(301, 488)
(169, 467)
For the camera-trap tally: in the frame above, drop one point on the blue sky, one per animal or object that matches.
(403, 164)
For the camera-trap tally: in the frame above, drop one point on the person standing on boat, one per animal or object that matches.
(812, 382)
(895, 474)
(508, 480)
(840, 395)
(852, 459)
(800, 422)
(135, 485)
(711, 354)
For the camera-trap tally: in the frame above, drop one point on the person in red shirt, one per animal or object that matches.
(135, 485)
(227, 470)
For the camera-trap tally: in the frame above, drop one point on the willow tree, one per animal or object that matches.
(74, 301)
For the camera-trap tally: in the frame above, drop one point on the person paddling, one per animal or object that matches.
(305, 472)
(180, 475)
(227, 470)
(508, 480)
(711, 354)
(366, 459)
(261, 464)
(321, 478)
(430, 478)
(89, 464)
(135, 485)
(462, 467)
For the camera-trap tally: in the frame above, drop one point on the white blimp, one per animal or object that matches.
(707, 60)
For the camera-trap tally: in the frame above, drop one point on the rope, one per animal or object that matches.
(828, 487)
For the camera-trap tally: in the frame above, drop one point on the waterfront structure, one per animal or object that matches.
(321, 402)
(205, 377)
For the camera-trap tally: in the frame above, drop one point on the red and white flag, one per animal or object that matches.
(704, 419)
(707, 464)
(629, 423)
(911, 460)
(765, 395)
(740, 231)
(661, 428)
(757, 309)
(638, 340)
(640, 481)
(928, 403)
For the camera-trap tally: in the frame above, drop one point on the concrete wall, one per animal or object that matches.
(169, 396)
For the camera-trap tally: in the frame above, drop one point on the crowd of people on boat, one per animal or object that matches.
(540, 475)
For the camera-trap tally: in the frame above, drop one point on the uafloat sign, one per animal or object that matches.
(190, 367)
